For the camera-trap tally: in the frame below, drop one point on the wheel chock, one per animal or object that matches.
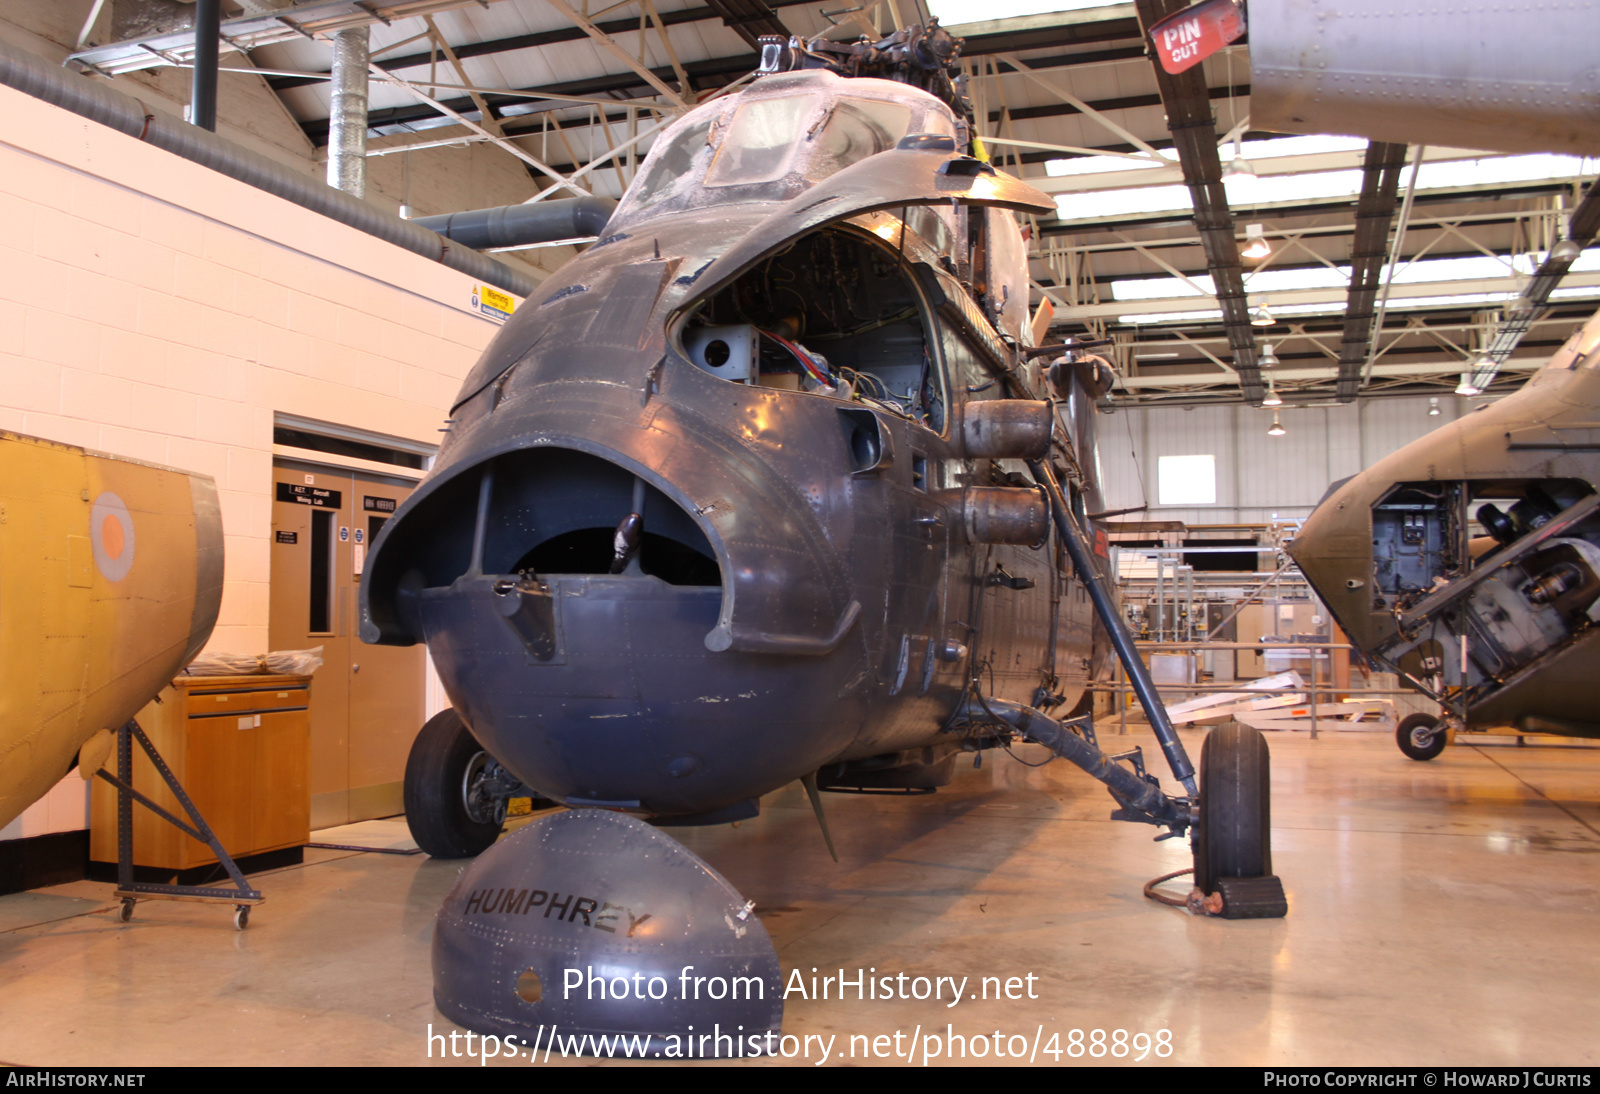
(1252, 897)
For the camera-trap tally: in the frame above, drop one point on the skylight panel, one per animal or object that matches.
(1276, 147)
(1095, 165)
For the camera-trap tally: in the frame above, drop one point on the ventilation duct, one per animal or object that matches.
(521, 225)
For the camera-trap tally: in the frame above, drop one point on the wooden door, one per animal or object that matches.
(367, 700)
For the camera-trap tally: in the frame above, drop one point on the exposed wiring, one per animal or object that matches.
(807, 362)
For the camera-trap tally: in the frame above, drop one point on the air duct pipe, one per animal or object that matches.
(347, 129)
(33, 76)
(520, 225)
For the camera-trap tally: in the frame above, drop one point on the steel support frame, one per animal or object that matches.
(127, 887)
(1581, 229)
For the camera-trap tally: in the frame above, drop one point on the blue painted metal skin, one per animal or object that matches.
(814, 595)
(739, 497)
(589, 932)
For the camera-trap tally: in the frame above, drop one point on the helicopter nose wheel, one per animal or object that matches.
(1233, 828)
(447, 810)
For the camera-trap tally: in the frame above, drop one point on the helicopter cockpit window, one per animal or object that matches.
(759, 141)
(674, 164)
(834, 314)
(854, 130)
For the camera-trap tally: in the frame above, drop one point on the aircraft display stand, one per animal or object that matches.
(128, 891)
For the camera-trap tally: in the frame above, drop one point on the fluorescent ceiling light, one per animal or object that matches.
(1195, 318)
(1246, 190)
(1423, 272)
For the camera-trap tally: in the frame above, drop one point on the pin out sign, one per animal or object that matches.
(1186, 38)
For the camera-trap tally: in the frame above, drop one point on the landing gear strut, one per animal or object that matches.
(1230, 807)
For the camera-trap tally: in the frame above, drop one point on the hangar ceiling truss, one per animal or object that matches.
(1145, 169)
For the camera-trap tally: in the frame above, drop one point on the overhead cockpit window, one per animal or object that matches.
(856, 129)
(759, 142)
(674, 164)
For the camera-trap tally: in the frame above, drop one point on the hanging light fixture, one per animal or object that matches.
(1466, 387)
(1261, 317)
(1433, 408)
(1238, 167)
(1268, 359)
(1277, 429)
(1255, 242)
(1272, 398)
(1565, 251)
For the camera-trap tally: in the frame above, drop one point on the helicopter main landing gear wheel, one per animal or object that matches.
(1233, 829)
(1421, 736)
(447, 807)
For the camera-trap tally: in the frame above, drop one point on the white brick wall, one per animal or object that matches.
(152, 308)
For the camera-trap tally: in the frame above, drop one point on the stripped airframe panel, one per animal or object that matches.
(110, 582)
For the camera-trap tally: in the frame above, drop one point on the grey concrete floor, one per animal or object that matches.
(1440, 913)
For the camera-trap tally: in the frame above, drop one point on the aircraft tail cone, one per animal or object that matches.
(591, 933)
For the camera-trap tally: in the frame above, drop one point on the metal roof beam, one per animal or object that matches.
(749, 19)
(630, 84)
(1194, 134)
(1380, 183)
(533, 41)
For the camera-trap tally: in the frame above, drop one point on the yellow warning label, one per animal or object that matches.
(494, 303)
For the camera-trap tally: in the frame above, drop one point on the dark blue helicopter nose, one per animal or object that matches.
(573, 641)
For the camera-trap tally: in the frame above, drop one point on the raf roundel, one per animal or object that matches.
(111, 532)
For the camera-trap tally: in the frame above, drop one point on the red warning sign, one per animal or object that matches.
(1188, 37)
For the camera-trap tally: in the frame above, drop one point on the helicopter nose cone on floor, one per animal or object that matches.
(595, 932)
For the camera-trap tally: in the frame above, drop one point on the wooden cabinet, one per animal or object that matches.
(241, 748)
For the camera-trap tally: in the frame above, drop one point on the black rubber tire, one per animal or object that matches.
(1233, 836)
(1411, 728)
(436, 809)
